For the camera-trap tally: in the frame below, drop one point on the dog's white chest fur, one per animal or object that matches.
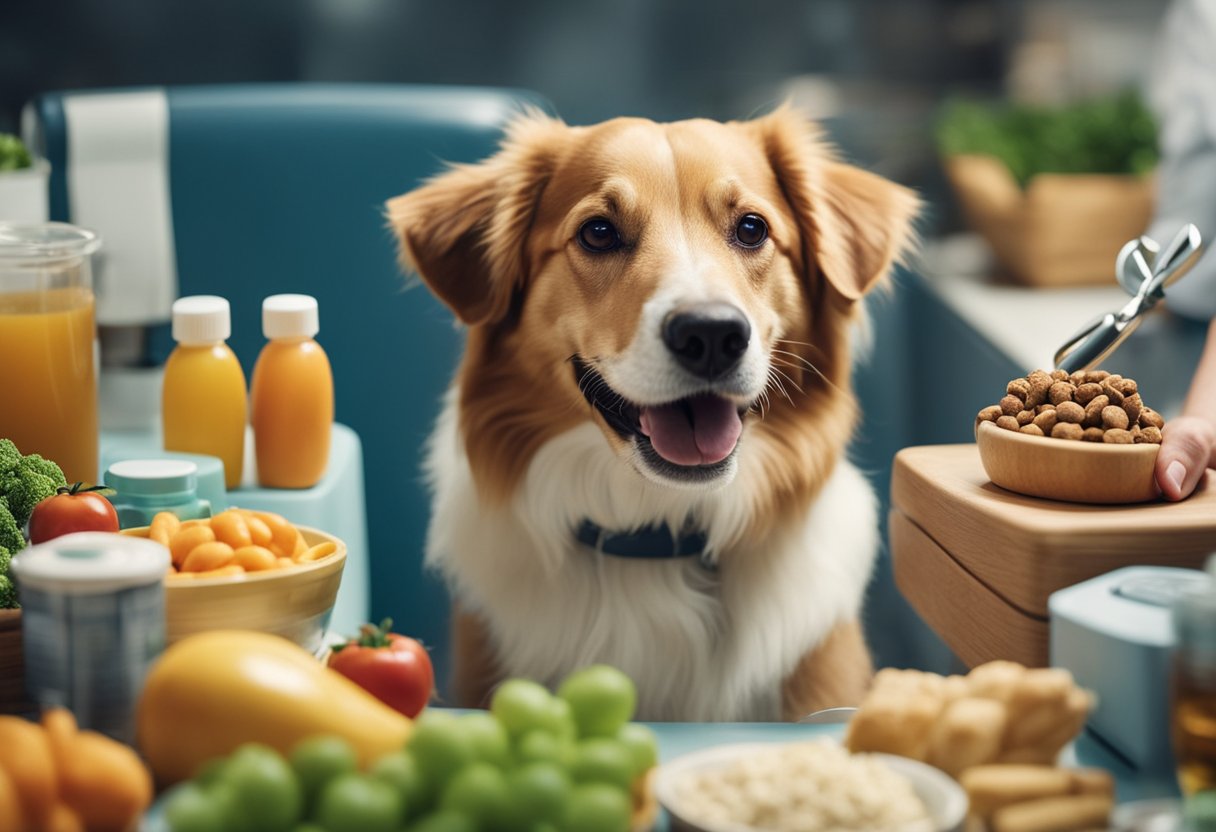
(699, 644)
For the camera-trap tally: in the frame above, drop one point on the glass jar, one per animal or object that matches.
(1194, 690)
(48, 373)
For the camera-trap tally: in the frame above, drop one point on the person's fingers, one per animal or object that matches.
(1186, 449)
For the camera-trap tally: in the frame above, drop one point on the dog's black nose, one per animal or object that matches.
(708, 339)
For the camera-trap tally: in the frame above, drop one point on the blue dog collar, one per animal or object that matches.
(649, 542)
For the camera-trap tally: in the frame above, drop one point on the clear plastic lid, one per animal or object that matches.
(91, 563)
(201, 319)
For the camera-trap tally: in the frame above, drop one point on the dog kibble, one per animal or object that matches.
(1061, 391)
(1093, 411)
(1150, 418)
(1012, 405)
(991, 414)
(1067, 430)
(1090, 406)
(1149, 435)
(1070, 412)
(1114, 418)
(1086, 393)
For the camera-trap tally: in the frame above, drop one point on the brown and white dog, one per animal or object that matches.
(658, 319)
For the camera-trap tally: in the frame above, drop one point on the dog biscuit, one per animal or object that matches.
(1055, 814)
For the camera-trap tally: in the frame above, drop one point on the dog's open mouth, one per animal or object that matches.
(700, 430)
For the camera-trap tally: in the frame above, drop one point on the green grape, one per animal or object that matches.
(190, 809)
(488, 738)
(540, 746)
(478, 790)
(600, 760)
(359, 803)
(440, 746)
(597, 807)
(317, 760)
(400, 771)
(521, 706)
(444, 821)
(266, 792)
(538, 792)
(601, 699)
(642, 745)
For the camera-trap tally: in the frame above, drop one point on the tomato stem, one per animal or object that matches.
(78, 488)
(370, 635)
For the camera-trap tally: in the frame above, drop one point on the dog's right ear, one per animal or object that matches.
(464, 230)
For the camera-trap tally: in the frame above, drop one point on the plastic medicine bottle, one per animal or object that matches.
(203, 402)
(292, 396)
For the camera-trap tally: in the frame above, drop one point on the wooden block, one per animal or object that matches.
(1025, 548)
(975, 622)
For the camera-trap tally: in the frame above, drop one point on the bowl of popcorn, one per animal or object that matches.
(1084, 437)
(248, 570)
(808, 786)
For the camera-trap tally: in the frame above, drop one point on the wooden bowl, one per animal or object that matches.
(294, 602)
(13, 699)
(1068, 470)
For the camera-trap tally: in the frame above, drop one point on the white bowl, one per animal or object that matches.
(944, 799)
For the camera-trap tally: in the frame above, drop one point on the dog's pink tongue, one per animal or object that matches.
(697, 431)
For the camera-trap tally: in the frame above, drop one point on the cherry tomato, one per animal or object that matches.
(395, 669)
(74, 509)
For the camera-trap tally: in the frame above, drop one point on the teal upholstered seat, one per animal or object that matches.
(280, 188)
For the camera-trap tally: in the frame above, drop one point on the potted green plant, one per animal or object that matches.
(1054, 192)
(23, 182)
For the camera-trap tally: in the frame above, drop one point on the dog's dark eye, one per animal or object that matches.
(751, 231)
(598, 235)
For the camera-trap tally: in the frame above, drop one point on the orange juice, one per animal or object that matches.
(203, 402)
(292, 396)
(48, 377)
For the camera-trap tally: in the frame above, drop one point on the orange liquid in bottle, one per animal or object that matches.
(293, 411)
(48, 378)
(204, 405)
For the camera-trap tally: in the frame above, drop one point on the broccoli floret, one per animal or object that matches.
(45, 467)
(10, 457)
(8, 593)
(6, 557)
(11, 537)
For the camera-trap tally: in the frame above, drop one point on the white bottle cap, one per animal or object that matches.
(201, 319)
(290, 316)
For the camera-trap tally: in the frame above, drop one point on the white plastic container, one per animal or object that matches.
(93, 609)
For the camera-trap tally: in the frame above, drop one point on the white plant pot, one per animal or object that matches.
(24, 193)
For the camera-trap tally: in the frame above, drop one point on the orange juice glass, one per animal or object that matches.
(48, 367)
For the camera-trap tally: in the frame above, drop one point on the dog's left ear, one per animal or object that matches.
(854, 224)
(464, 231)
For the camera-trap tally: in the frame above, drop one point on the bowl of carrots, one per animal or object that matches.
(248, 570)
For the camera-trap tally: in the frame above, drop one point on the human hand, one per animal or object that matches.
(1186, 452)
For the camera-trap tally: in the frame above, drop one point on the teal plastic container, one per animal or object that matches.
(146, 487)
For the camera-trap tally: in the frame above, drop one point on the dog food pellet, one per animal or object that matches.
(1070, 412)
(1012, 405)
(1090, 406)
(1067, 430)
(1114, 417)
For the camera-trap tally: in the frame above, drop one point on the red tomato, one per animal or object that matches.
(70, 510)
(394, 668)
